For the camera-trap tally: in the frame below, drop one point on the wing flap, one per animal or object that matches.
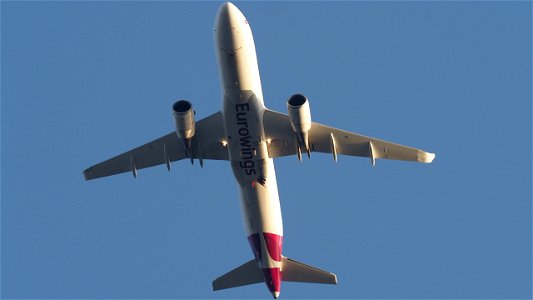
(206, 145)
(147, 155)
(328, 139)
(353, 144)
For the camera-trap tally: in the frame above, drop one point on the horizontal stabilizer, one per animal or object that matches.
(291, 270)
(249, 273)
(298, 272)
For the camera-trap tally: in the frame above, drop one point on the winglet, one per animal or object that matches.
(86, 173)
(425, 157)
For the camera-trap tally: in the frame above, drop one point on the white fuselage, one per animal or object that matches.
(243, 108)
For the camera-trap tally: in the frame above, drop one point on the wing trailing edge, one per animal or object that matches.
(326, 139)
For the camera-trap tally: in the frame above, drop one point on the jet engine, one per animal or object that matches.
(184, 119)
(300, 116)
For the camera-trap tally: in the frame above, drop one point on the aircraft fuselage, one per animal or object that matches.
(242, 110)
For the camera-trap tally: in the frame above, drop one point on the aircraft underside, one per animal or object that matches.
(250, 136)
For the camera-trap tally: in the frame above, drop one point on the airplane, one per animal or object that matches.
(249, 136)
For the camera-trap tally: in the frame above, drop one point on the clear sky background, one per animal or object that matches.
(84, 81)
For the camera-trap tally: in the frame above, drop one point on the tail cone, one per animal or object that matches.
(273, 280)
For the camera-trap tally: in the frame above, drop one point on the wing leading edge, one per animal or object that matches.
(206, 144)
(327, 139)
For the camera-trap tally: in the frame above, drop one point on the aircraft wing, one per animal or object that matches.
(206, 144)
(327, 139)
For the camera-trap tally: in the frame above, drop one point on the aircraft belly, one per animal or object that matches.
(243, 109)
(251, 165)
(260, 205)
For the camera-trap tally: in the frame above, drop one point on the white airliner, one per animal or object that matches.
(250, 136)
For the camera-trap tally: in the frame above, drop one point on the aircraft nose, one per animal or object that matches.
(225, 7)
(229, 27)
(227, 15)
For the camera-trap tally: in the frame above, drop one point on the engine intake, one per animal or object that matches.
(300, 117)
(184, 120)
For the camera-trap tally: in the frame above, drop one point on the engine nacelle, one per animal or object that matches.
(184, 120)
(300, 116)
(299, 113)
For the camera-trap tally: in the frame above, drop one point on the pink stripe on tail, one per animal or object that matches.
(272, 279)
(274, 245)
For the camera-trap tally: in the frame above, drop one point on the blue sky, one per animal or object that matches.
(81, 82)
